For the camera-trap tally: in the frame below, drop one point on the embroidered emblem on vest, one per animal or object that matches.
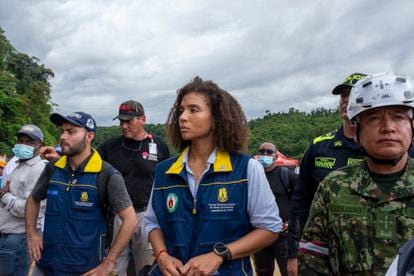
(172, 202)
(325, 162)
(84, 197)
(222, 195)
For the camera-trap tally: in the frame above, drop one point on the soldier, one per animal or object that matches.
(363, 212)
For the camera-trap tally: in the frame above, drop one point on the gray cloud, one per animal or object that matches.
(271, 55)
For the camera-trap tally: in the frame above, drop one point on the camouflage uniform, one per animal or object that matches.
(353, 227)
(327, 153)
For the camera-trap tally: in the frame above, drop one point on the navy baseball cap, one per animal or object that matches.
(78, 118)
(349, 82)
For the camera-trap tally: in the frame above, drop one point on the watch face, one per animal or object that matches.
(220, 248)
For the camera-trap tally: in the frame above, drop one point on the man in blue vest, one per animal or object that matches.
(80, 189)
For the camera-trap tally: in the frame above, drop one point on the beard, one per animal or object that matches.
(74, 149)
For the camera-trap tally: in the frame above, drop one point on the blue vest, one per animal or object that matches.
(219, 213)
(406, 259)
(75, 226)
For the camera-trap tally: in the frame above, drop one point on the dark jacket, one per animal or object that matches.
(325, 154)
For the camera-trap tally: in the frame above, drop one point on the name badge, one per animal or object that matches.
(152, 148)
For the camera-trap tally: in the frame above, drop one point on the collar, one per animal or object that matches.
(220, 160)
(92, 164)
(340, 140)
(364, 184)
(30, 161)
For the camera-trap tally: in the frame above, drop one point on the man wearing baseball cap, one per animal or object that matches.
(135, 154)
(80, 189)
(327, 153)
(13, 250)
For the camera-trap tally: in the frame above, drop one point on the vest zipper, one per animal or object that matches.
(73, 182)
(194, 206)
(195, 197)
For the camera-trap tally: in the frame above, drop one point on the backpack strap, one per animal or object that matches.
(103, 177)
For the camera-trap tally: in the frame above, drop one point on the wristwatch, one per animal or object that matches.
(223, 251)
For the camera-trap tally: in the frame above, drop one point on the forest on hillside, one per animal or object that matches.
(25, 98)
(24, 95)
(291, 131)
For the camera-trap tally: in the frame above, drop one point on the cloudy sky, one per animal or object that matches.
(270, 54)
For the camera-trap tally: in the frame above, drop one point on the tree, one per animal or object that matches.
(24, 95)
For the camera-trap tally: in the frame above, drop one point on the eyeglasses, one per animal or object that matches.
(266, 151)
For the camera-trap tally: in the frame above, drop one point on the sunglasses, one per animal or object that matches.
(266, 151)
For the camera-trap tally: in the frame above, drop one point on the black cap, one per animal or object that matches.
(129, 110)
(349, 82)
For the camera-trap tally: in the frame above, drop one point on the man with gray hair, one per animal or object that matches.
(14, 258)
(135, 154)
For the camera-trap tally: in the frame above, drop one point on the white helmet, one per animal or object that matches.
(382, 89)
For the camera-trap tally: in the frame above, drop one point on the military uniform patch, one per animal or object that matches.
(325, 162)
(352, 161)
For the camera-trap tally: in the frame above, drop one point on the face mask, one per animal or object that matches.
(23, 151)
(266, 161)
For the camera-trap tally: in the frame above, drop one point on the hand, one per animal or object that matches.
(104, 268)
(6, 188)
(169, 265)
(48, 153)
(204, 264)
(292, 267)
(285, 227)
(35, 246)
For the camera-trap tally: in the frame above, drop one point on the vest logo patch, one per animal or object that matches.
(325, 162)
(84, 197)
(222, 195)
(172, 202)
(84, 202)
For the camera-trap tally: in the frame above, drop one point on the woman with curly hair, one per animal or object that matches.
(211, 207)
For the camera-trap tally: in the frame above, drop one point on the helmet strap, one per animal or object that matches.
(378, 161)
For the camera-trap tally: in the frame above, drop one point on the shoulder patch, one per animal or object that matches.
(325, 162)
(328, 136)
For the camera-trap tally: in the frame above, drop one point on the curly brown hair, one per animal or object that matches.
(230, 126)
